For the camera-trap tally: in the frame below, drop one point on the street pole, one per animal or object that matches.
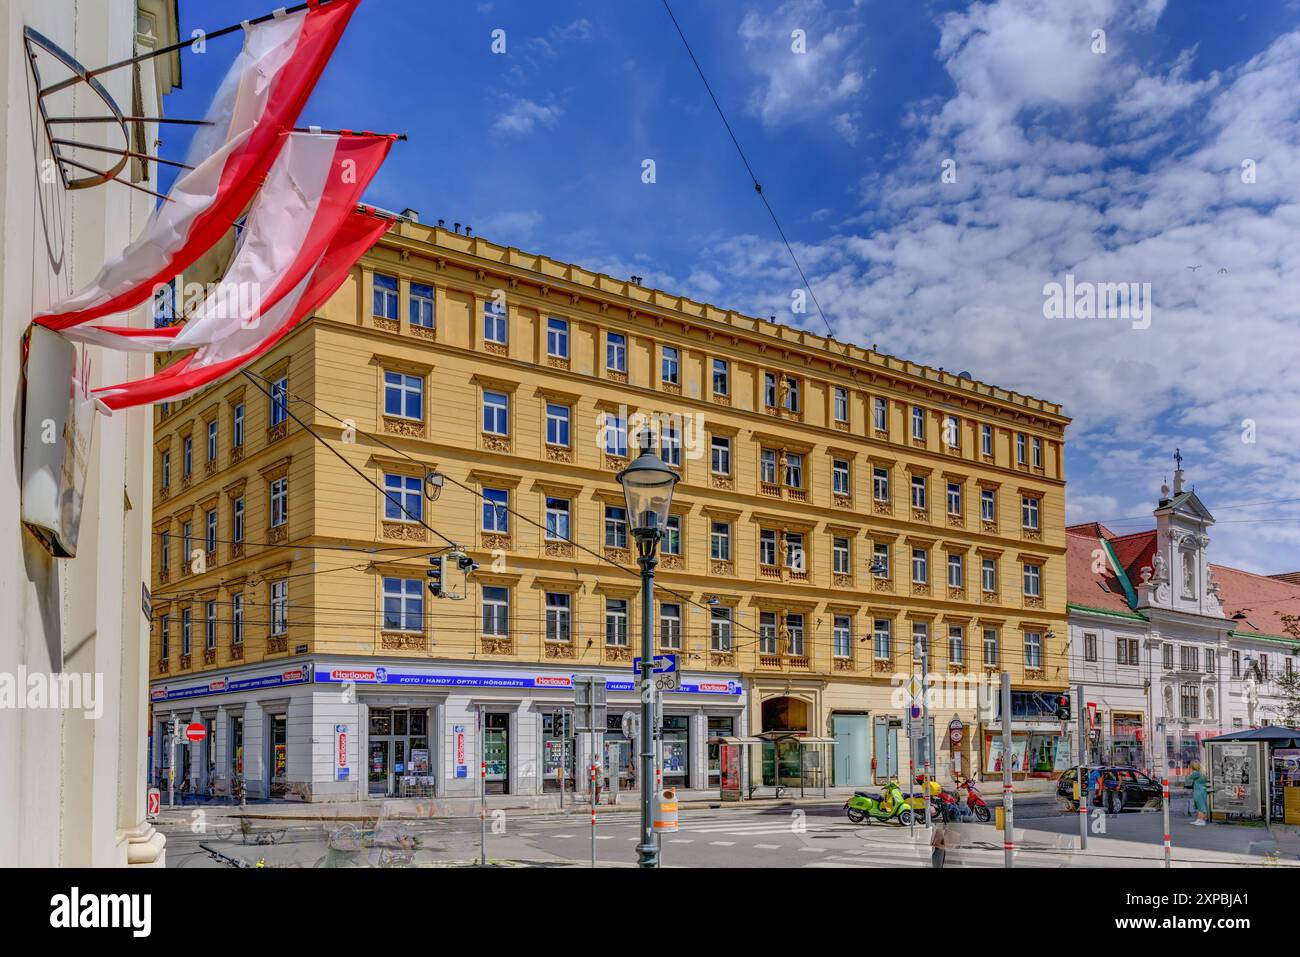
(647, 541)
(171, 768)
(1008, 788)
(925, 723)
(1164, 801)
(1083, 760)
(482, 789)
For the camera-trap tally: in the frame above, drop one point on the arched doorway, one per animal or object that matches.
(781, 758)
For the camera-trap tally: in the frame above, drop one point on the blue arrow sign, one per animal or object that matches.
(664, 664)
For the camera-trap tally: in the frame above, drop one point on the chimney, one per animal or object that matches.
(412, 214)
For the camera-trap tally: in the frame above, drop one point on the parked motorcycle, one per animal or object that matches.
(865, 806)
(943, 804)
(975, 802)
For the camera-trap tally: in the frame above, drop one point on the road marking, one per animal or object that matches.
(767, 847)
(815, 850)
(562, 835)
(722, 843)
(604, 837)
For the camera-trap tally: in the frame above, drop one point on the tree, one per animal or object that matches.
(1288, 683)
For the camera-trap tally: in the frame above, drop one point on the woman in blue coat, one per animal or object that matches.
(1200, 798)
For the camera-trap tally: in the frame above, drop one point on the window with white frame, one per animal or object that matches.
(1190, 701)
(989, 575)
(280, 400)
(164, 638)
(921, 643)
(954, 498)
(720, 541)
(1029, 512)
(841, 410)
(403, 396)
(615, 352)
(212, 441)
(720, 629)
(238, 509)
(767, 547)
(496, 413)
(385, 296)
(165, 551)
(1037, 447)
(880, 560)
(918, 423)
(559, 616)
(670, 370)
(557, 338)
(720, 455)
(1089, 646)
(187, 539)
(166, 470)
(616, 622)
(494, 322)
(952, 431)
(1191, 658)
(769, 389)
(1033, 580)
(1020, 448)
(991, 647)
(1033, 649)
(920, 566)
(187, 456)
(496, 511)
(880, 484)
(840, 482)
(792, 394)
(557, 519)
(280, 606)
(403, 604)
(420, 303)
(237, 438)
(842, 636)
(988, 505)
(210, 625)
(841, 561)
(557, 424)
(237, 618)
(767, 633)
(956, 571)
(279, 501)
(882, 644)
(956, 644)
(615, 434)
(880, 412)
(187, 631)
(918, 492)
(496, 611)
(672, 542)
(767, 466)
(670, 626)
(986, 440)
(670, 444)
(721, 377)
(210, 539)
(403, 497)
(615, 526)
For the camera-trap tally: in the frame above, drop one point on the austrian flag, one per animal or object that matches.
(259, 100)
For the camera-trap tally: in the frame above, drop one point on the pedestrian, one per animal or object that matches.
(1094, 785)
(946, 837)
(1200, 798)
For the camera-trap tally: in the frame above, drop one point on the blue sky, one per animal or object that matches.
(1114, 165)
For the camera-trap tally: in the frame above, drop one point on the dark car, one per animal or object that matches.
(1122, 786)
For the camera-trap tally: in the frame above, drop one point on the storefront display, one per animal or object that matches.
(557, 751)
(993, 749)
(718, 728)
(1126, 740)
(279, 755)
(675, 749)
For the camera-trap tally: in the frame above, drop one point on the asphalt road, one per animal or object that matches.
(815, 835)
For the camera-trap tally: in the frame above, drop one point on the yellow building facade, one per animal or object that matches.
(835, 505)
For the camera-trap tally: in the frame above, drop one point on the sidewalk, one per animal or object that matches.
(468, 807)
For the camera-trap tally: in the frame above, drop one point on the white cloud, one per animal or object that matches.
(523, 114)
(827, 79)
(513, 227)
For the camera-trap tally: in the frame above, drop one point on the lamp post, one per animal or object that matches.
(648, 489)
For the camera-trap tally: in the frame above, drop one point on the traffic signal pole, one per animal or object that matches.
(1008, 788)
(1082, 781)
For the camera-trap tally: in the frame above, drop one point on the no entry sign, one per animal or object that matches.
(195, 731)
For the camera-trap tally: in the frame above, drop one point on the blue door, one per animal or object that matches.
(852, 752)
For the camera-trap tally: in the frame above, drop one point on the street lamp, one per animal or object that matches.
(648, 489)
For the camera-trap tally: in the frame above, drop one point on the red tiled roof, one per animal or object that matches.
(1082, 585)
(1095, 529)
(1263, 599)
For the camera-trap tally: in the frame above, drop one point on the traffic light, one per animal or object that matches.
(438, 565)
(1062, 707)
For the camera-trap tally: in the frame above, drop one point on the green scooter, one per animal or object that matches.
(865, 807)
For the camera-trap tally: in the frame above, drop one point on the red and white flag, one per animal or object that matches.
(260, 99)
(359, 232)
(315, 184)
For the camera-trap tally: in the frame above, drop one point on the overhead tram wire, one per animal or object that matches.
(736, 646)
(758, 187)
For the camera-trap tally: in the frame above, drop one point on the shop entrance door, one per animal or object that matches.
(496, 752)
(852, 765)
(886, 750)
(378, 767)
